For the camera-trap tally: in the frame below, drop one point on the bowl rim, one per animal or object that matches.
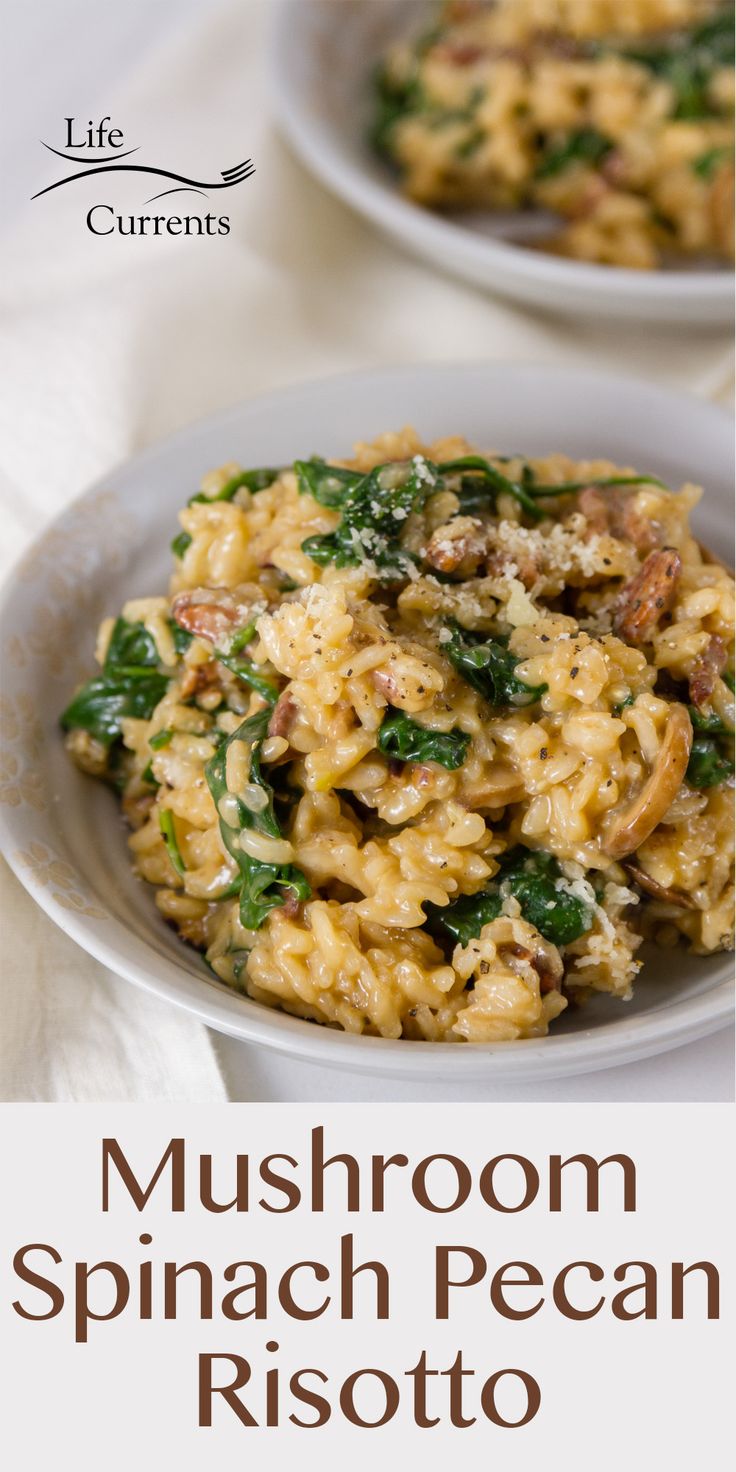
(604, 1046)
(313, 142)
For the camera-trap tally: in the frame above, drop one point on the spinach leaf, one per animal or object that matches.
(250, 674)
(464, 919)
(708, 766)
(374, 511)
(253, 480)
(130, 684)
(262, 884)
(396, 98)
(709, 162)
(490, 669)
(709, 722)
(688, 62)
(168, 833)
(180, 543)
(585, 145)
(130, 644)
(104, 702)
(182, 637)
(161, 739)
(328, 484)
(404, 738)
(531, 877)
(568, 487)
(498, 484)
(471, 143)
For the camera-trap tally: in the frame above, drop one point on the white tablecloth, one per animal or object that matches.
(107, 344)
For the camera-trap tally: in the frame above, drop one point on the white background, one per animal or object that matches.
(63, 56)
(614, 1394)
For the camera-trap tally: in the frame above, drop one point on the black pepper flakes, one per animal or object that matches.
(484, 968)
(574, 672)
(543, 753)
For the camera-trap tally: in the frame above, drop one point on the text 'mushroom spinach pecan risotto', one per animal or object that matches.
(617, 115)
(421, 744)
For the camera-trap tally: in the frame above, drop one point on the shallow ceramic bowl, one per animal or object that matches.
(62, 832)
(324, 54)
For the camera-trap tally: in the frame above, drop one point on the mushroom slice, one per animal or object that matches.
(658, 891)
(632, 824)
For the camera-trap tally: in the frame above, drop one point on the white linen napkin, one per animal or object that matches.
(109, 343)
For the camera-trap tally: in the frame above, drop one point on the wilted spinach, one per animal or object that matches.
(262, 885)
(568, 487)
(253, 480)
(161, 739)
(130, 685)
(531, 877)
(375, 506)
(328, 484)
(396, 99)
(709, 162)
(405, 739)
(168, 833)
(490, 669)
(708, 766)
(688, 62)
(585, 145)
(180, 543)
(708, 722)
(374, 511)
(130, 644)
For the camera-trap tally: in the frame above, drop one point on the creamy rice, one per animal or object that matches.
(615, 114)
(416, 749)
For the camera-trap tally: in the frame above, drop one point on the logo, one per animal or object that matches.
(99, 149)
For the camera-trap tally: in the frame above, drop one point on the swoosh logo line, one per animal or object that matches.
(243, 171)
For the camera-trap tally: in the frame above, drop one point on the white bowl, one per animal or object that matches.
(323, 58)
(62, 833)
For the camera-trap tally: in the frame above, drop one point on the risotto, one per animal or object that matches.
(617, 115)
(423, 743)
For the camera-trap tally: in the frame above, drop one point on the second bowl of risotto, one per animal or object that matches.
(578, 154)
(417, 737)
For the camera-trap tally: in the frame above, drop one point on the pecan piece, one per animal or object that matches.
(527, 568)
(205, 617)
(461, 53)
(283, 715)
(613, 511)
(708, 667)
(197, 678)
(214, 614)
(647, 596)
(458, 546)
